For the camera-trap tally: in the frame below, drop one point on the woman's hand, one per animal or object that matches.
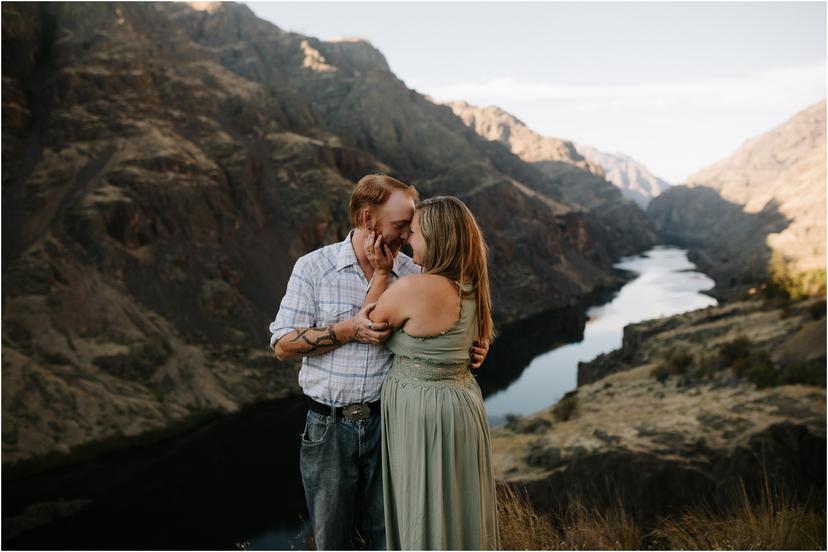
(378, 253)
(477, 354)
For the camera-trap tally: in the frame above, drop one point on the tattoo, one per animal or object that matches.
(314, 342)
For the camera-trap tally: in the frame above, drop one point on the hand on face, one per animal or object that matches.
(380, 255)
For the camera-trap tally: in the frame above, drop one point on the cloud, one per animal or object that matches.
(763, 90)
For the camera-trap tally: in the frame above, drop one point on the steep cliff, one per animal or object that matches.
(581, 182)
(163, 167)
(764, 203)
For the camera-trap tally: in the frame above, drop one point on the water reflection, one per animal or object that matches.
(666, 284)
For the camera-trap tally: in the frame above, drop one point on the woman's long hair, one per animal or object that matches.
(455, 248)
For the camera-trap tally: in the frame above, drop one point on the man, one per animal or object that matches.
(322, 320)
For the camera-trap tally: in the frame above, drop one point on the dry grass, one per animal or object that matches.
(775, 522)
(576, 528)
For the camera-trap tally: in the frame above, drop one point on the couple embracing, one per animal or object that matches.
(396, 443)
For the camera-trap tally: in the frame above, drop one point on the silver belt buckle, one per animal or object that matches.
(356, 412)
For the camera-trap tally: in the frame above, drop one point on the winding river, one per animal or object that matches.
(234, 483)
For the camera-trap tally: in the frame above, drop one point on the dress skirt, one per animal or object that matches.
(438, 477)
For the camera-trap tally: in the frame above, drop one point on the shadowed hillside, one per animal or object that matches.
(164, 166)
(759, 213)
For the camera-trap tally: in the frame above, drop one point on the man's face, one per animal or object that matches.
(393, 219)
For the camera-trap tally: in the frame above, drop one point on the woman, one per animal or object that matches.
(438, 480)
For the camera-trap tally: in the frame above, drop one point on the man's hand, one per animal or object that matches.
(477, 354)
(365, 331)
(379, 253)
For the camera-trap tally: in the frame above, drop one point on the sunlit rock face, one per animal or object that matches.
(579, 181)
(163, 168)
(766, 199)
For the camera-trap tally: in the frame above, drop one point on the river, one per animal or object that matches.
(234, 483)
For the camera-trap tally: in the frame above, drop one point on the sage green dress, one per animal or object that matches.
(437, 473)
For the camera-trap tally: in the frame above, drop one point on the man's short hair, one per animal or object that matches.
(372, 191)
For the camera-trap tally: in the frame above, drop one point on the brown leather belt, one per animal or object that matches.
(353, 412)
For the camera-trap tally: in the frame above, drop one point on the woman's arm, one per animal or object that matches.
(394, 305)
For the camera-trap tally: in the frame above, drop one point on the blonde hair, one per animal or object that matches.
(455, 248)
(374, 190)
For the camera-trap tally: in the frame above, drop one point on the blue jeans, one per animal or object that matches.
(341, 471)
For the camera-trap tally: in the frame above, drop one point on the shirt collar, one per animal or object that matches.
(347, 257)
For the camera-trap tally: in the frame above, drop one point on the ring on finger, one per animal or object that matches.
(370, 325)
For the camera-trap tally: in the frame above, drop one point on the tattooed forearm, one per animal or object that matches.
(316, 338)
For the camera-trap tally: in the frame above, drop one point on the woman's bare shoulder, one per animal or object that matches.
(428, 283)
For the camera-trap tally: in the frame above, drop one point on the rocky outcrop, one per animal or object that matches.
(163, 167)
(634, 180)
(616, 221)
(492, 123)
(766, 200)
(770, 327)
(683, 412)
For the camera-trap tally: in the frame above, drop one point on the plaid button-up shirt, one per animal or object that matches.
(327, 286)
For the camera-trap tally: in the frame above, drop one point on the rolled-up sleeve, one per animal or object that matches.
(297, 308)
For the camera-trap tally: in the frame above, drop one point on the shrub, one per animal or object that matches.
(512, 422)
(734, 350)
(675, 361)
(817, 310)
(660, 373)
(761, 371)
(566, 406)
(794, 285)
(805, 372)
(534, 425)
(678, 361)
(139, 363)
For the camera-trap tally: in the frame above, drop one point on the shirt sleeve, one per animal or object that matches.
(298, 305)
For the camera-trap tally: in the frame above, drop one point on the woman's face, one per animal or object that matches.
(416, 241)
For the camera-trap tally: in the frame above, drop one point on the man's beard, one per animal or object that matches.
(394, 246)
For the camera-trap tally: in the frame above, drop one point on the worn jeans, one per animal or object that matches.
(341, 470)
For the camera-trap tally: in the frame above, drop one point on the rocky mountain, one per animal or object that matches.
(634, 180)
(687, 407)
(581, 181)
(493, 123)
(763, 204)
(163, 167)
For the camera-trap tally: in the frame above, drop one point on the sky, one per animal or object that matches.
(675, 85)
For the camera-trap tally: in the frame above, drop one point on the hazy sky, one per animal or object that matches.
(676, 85)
